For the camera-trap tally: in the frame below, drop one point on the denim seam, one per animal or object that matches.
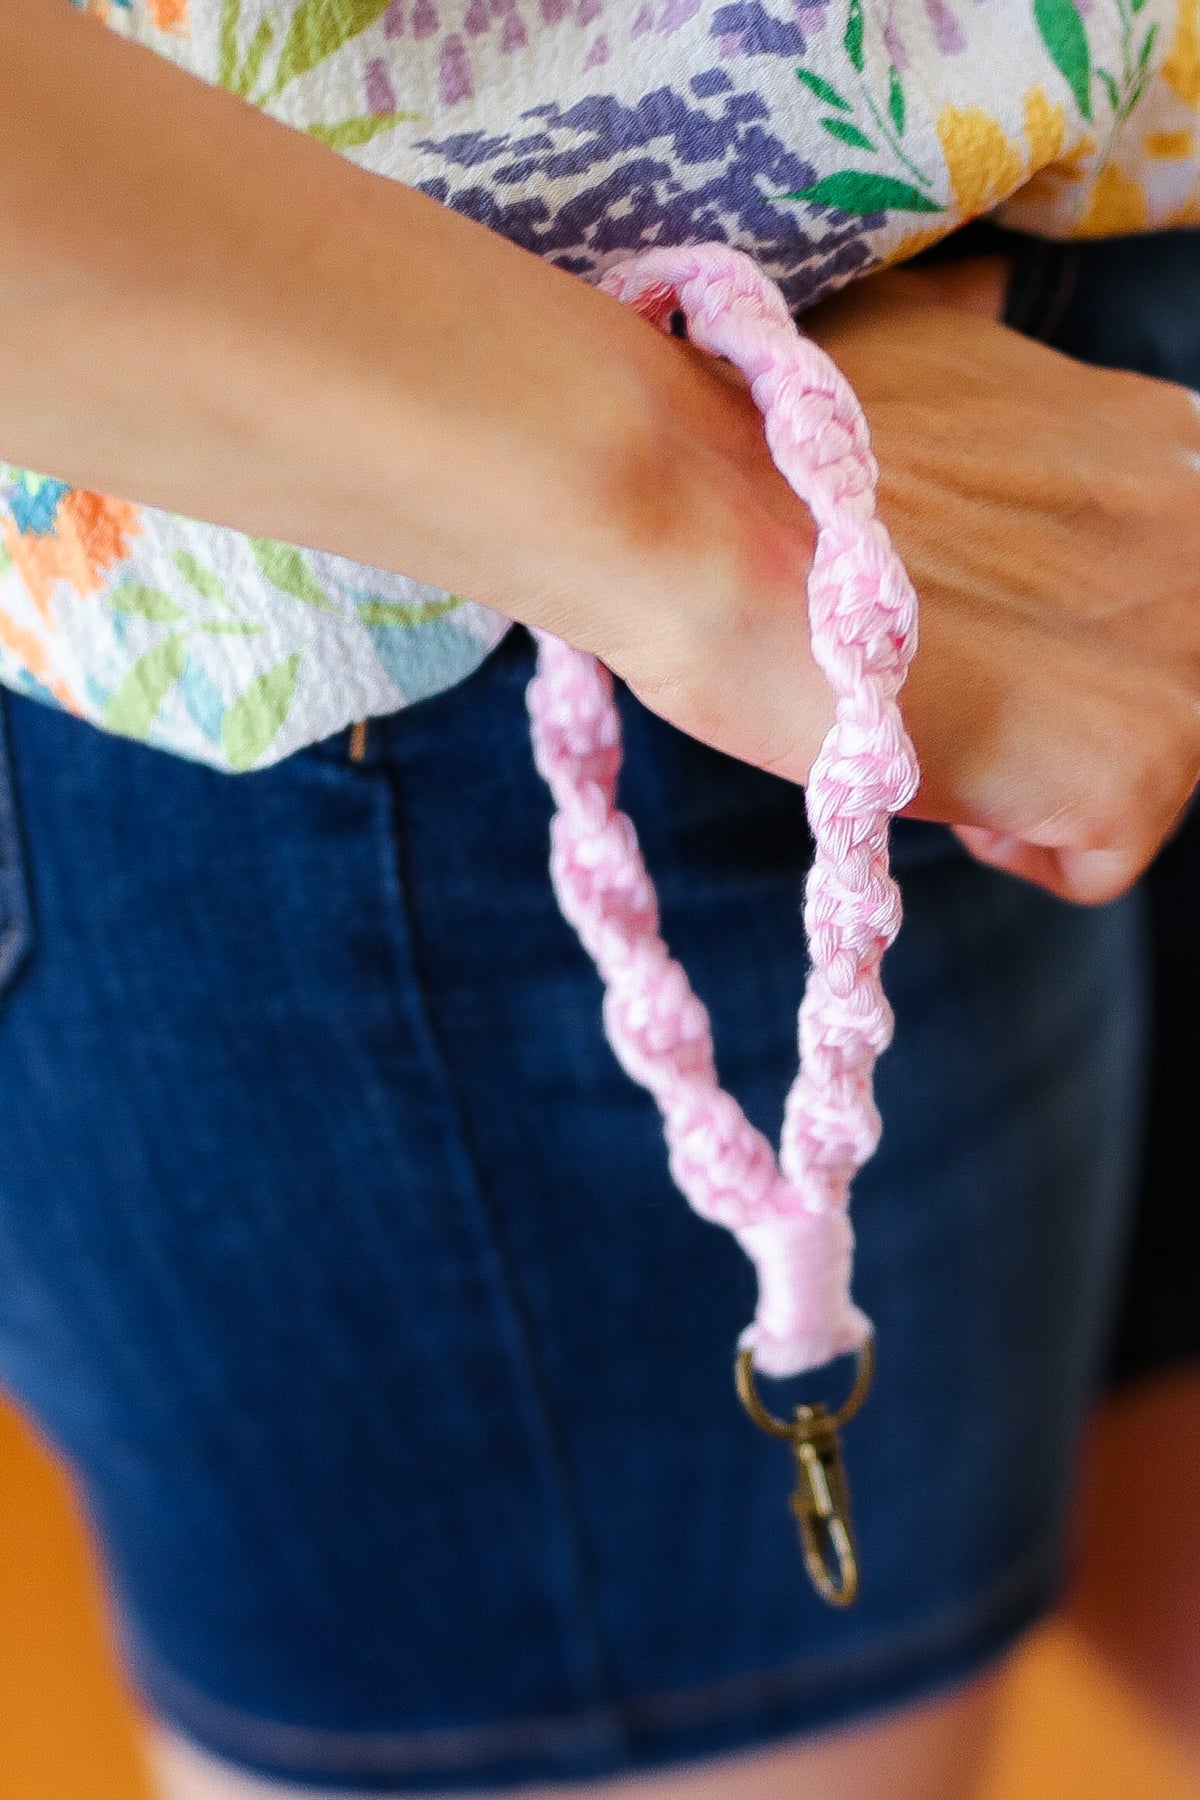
(557, 1461)
(1012, 1603)
(1059, 300)
(1041, 289)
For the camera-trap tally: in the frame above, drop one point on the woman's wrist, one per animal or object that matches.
(256, 332)
(222, 318)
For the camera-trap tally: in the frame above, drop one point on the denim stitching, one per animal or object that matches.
(1012, 1603)
(1067, 266)
(1041, 289)
(559, 1473)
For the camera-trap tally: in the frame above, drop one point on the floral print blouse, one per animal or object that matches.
(823, 137)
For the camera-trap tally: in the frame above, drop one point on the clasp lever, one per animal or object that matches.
(821, 1504)
(821, 1501)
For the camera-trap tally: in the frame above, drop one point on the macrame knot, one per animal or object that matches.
(725, 1168)
(789, 1214)
(655, 1023)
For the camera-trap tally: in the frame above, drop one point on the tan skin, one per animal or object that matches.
(1135, 1596)
(223, 317)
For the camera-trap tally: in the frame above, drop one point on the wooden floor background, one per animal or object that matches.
(67, 1729)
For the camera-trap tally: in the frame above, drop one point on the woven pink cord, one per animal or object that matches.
(789, 1216)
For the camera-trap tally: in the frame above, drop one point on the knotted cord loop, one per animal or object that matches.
(789, 1214)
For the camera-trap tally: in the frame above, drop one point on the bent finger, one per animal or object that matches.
(1085, 877)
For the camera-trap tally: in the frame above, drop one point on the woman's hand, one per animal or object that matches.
(1049, 516)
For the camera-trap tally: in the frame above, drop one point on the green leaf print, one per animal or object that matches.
(398, 612)
(252, 723)
(822, 89)
(847, 133)
(197, 576)
(260, 43)
(1137, 5)
(133, 708)
(1147, 47)
(896, 107)
(347, 134)
(318, 29)
(1064, 37)
(287, 570)
(853, 40)
(231, 12)
(1111, 89)
(146, 603)
(860, 194)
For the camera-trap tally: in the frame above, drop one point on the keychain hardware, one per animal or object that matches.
(821, 1500)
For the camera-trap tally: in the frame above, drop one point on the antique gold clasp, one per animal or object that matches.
(821, 1501)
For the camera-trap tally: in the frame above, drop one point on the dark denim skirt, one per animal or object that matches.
(340, 1261)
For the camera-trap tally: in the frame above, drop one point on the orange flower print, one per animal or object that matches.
(57, 533)
(170, 15)
(167, 15)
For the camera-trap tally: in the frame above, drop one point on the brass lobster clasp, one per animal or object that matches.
(821, 1501)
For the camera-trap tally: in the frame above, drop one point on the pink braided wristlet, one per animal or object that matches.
(790, 1215)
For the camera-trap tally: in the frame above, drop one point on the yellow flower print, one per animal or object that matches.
(985, 165)
(1170, 146)
(1045, 129)
(1046, 187)
(1181, 70)
(1117, 204)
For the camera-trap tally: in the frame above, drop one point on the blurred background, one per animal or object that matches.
(68, 1732)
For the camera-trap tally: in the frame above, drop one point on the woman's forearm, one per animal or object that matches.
(218, 315)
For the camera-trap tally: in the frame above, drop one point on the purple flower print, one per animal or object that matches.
(948, 34)
(897, 49)
(599, 53)
(554, 10)
(643, 22)
(759, 32)
(676, 13)
(454, 75)
(393, 20)
(674, 168)
(589, 11)
(425, 19)
(377, 86)
(476, 21)
(513, 35)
